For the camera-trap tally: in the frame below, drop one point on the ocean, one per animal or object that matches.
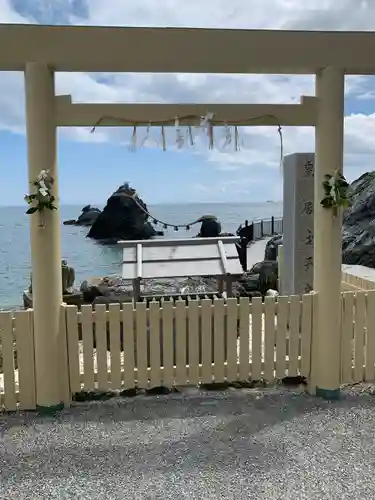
(90, 258)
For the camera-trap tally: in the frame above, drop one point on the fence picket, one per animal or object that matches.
(168, 344)
(7, 347)
(128, 339)
(281, 331)
(88, 348)
(347, 335)
(155, 362)
(219, 323)
(294, 334)
(193, 332)
(244, 320)
(306, 331)
(359, 336)
(115, 345)
(73, 348)
(180, 342)
(256, 338)
(269, 338)
(370, 337)
(25, 359)
(206, 353)
(101, 346)
(231, 331)
(142, 344)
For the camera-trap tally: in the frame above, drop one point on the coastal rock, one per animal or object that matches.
(210, 227)
(272, 247)
(358, 236)
(87, 218)
(262, 277)
(123, 218)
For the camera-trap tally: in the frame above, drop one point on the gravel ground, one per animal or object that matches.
(259, 444)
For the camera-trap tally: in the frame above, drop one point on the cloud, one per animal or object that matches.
(261, 148)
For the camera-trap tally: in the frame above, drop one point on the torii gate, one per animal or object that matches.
(39, 51)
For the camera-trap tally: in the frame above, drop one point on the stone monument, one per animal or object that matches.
(298, 220)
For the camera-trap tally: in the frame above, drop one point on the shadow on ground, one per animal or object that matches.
(269, 444)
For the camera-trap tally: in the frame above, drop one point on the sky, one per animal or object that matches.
(91, 166)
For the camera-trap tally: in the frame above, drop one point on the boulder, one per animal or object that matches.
(358, 236)
(272, 247)
(123, 218)
(88, 216)
(210, 227)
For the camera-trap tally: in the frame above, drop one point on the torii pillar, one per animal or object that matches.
(329, 140)
(44, 241)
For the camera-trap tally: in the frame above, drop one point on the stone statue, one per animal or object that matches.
(68, 276)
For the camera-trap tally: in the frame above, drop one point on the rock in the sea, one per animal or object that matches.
(87, 218)
(210, 227)
(358, 235)
(123, 218)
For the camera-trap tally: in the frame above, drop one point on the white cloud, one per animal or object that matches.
(261, 145)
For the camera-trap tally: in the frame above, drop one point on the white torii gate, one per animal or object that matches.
(39, 51)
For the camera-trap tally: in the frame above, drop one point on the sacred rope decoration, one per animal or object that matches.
(164, 224)
(42, 199)
(205, 123)
(335, 192)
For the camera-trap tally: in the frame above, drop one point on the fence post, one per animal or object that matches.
(261, 228)
(314, 347)
(64, 379)
(272, 225)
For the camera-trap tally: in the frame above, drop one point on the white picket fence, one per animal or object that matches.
(186, 343)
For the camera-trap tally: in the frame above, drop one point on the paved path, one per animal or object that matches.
(250, 444)
(255, 252)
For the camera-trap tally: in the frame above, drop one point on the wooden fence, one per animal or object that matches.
(186, 343)
(358, 337)
(17, 371)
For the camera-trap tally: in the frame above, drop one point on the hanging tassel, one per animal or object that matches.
(165, 226)
(164, 146)
(154, 221)
(179, 137)
(190, 135)
(146, 137)
(133, 141)
(227, 136)
(187, 228)
(210, 132)
(176, 228)
(236, 139)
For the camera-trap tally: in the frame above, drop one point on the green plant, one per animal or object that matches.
(41, 199)
(335, 191)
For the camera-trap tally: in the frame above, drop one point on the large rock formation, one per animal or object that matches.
(87, 218)
(123, 218)
(358, 237)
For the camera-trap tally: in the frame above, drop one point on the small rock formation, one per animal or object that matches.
(262, 277)
(210, 227)
(272, 247)
(358, 233)
(87, 218)
(123, 218)
(68, 276)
